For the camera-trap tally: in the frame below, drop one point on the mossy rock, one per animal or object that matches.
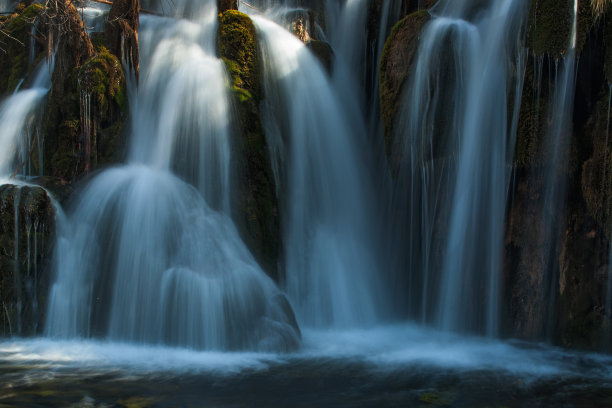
(324, 53)
(102, 77)
(255, 204)
(397, 60)
(237, 46)
(14, 64)
(550, 26)
(82, 70)
(396, 64)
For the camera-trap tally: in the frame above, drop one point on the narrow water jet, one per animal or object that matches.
(557, 145)
(18, 115)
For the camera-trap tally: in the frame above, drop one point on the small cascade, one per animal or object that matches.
(557, 147)
(456, 134)
(332, 263)
(182, 115)
(18, 115)
(149, 253)
(94, 15)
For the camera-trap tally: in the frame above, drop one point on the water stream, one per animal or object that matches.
(157, 301)
(455, 132)
(143, 256)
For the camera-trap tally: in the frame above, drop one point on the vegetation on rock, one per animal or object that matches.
(15, 44)
(256, 207)
(395, 65)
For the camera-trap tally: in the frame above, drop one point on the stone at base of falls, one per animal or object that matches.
(24, 264)
(256, 205)
(395, 65)
(143, 259)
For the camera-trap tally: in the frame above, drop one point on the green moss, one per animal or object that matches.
(237, 45)
(14, 65)
(256, 207)
(435, 398)
(102, 77)
(549, 27)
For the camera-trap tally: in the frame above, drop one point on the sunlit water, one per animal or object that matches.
(387, 366)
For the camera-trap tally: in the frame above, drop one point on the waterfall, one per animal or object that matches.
(18, 115)
(558, 145)
(332, 265)
(149, 253)
(457, 139)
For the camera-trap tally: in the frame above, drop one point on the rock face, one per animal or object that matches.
(16, 46)
(27, 231)
(256, 206)
(104, 107)
(121, 32)
(64, 155)
(565, 304)
(87, 107)
(396, 63)
(225, 5)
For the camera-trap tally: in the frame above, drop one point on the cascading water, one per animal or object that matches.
(558, 145)
(456, 142)
(143, 258)
(94, 15)
(7, 5)
(18, 115)
(331, 262)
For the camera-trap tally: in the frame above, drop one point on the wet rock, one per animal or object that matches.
(324, 52)
(102, 87)
(27, 230)
(15, 46)
(395, 65)
(550, 26)
(65, 149)
(256, 206)
(225, 5)
(121, 32)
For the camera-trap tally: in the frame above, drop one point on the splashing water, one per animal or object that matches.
(143, 258)
(455, 138)
(332, 269)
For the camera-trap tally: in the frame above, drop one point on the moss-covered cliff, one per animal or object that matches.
(256, 207)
